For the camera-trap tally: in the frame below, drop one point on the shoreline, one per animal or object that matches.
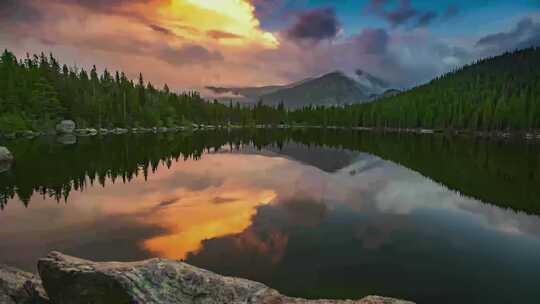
(64, 279)
(90, 132)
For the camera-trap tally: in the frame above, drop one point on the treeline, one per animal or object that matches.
(36, 92)
(474, 167)
(495, 94)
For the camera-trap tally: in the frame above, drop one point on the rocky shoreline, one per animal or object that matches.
(64, 279)
(88, 132)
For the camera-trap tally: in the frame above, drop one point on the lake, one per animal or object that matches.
(313, 213)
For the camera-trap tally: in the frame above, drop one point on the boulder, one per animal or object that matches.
(19, 287)
(66, 127)
(71, 280)
(5, 155)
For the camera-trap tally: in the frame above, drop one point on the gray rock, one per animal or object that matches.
(5, 155)
(86, 132)
(119, 131)
(71, 280)
(66, 127)
(19, 287)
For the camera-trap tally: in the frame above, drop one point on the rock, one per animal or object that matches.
(86, 132)
(66, 127)
(71, 280)
(5, 155)
(119, 131)
(19, 287)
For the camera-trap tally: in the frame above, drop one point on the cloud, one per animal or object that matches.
(216, 34)
(19, 11)
(426, 18)
(403, 14)
(223, 200)
(161, 29)
(315, 25)
(525, 34)
(372, 41)
(189, 54)
(108, 6)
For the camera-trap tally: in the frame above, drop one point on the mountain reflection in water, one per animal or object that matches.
(296, 211)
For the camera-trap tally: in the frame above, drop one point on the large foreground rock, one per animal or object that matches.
(71, 280)
(5, 155)
(19, 287)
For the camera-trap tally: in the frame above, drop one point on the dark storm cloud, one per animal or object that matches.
(525, 34)
(317, 24)
(403, 14)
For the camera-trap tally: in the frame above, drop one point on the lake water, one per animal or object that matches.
(315, 214)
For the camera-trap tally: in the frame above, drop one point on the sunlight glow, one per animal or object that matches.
(233, 22)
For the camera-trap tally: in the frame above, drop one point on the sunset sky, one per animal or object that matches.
(193, 43)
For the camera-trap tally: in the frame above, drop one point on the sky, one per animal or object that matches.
(190, 44)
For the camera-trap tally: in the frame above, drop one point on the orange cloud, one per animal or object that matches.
(236, 18)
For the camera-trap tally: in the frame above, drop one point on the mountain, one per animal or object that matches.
(335, 88)
(375, 85)
(496, 94)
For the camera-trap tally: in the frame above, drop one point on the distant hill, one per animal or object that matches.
(335, 88)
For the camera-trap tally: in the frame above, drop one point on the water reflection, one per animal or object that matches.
(312, 221)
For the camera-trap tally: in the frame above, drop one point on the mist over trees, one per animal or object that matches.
(495, 94)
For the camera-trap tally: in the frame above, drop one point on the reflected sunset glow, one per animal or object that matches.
(200, 218)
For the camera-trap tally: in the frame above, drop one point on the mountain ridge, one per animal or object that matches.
(333, 88)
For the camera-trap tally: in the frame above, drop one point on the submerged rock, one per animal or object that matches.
(5, 155)
(71, 280)
(19, 287)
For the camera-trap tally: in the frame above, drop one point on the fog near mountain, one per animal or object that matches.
(335, 88)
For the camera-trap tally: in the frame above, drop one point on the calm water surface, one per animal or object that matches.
(310, 213)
